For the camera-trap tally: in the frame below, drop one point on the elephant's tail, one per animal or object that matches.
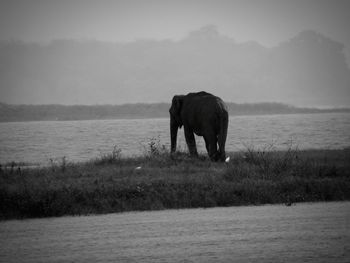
(223, 134)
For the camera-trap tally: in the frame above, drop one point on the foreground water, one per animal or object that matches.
(44, 142)
(309, 232)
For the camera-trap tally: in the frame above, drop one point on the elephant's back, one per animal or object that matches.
(221, 105)
(205, 103)
(213, 104)
(207, 108)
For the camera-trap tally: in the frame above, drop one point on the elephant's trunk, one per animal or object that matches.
(173, 133)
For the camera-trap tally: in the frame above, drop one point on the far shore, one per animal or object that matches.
(21, 113)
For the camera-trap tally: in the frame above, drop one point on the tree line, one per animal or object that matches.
(9, 112)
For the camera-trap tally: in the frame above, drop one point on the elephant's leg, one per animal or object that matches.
(206, 144)
(222, 136)
(221, 143)
(222, 154)
(211, 141)
(191, 142)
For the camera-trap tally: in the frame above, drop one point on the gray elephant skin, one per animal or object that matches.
(202, 114)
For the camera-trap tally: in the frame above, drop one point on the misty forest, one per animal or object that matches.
(307, 70)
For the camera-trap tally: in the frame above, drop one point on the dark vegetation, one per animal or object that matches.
(157, 180)
(141, 110)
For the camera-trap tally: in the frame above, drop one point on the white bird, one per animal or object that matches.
(138, 168)
(227, 159)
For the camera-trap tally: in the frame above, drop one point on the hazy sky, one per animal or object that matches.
(266, 21)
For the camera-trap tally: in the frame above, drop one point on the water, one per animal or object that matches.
(309, 232)
(38, 142)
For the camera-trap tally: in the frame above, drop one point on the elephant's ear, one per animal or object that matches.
(175, 109)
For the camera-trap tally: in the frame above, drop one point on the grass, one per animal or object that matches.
(157, 180)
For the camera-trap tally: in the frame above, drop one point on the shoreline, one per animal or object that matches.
(347, 111)
(158, 180)
(142, 113)
(57, 160)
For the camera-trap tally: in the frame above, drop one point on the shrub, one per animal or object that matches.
(110, 158)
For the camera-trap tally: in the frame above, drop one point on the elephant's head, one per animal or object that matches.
(175, 119)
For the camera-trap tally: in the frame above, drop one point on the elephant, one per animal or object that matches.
(202, 114)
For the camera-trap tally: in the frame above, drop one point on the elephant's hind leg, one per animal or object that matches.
(206, 144)
(211, 145)
(191, 142)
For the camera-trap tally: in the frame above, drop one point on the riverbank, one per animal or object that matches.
(20, 113)
(157, 180)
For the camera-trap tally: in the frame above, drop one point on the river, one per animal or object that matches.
(305, 232)
(40, 142)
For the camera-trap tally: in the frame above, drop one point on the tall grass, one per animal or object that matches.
(160, 180)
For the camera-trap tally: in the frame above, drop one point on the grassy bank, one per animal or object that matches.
(156, 180)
